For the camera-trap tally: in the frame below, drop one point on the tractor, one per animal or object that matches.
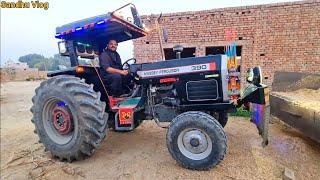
(73, 109)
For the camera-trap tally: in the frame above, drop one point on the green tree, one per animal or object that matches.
(47, 64)
(41, 66)
(31, 59)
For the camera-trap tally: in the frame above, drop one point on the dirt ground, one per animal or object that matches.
(142, 154)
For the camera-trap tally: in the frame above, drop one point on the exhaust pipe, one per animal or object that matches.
(178, 50)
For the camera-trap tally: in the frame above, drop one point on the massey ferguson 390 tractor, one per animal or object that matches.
(72, 110)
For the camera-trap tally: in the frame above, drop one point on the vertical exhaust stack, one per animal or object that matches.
(178, 50)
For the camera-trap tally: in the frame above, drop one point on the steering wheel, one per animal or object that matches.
(127, 63)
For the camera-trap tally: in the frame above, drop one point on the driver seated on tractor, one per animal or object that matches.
(114, 76)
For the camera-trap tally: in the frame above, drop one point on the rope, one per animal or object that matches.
(95, 68)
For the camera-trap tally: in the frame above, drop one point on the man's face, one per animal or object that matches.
(112, 45)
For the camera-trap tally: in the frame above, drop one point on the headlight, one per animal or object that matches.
(62, 47)
(249, 75)
(254, 75)
(257, 75)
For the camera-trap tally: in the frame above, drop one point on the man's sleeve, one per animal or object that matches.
(104, 61)
(119, 61)
(118, 56)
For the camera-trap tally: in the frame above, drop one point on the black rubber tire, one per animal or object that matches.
(88, 113)
(206, 123)
(223, 119)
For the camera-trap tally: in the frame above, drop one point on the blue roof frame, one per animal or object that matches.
(82, 23)
(99, 30)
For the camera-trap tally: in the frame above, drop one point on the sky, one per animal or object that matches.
(32, 30)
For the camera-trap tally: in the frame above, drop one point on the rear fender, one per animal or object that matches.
(68, 71)
(84, 72)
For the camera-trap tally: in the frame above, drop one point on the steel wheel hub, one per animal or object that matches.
(195, 141)
(194, 144)
(62, 120)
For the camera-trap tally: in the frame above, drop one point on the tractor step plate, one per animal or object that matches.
(125, 121)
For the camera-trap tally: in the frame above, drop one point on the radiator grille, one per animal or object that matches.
(202, 90)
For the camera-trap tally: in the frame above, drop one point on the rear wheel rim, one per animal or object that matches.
(194, 143)
(58, 121)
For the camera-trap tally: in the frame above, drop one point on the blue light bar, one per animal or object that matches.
(101, 22)
(79, 29)
(58, 35)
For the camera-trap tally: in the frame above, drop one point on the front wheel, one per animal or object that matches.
(196, 140)
(222, 117)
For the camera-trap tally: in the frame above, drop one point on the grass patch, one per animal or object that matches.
(242, 113)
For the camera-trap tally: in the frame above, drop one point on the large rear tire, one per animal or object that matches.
(69, 117)
(196, 140)
(222, 117)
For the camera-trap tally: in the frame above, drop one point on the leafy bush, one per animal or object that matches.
(242, 113)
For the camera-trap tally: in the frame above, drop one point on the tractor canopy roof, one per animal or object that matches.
(122, 24)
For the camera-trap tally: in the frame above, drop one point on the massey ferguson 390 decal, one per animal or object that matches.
(177, 70)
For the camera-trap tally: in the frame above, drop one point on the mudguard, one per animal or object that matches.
(258, 96)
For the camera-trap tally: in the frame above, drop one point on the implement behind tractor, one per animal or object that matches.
(295, 99)
(73, 110)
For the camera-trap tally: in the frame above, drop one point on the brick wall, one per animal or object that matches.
(277, 37)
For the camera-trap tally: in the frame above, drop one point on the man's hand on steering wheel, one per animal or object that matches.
(126, 64)
(124, 72)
